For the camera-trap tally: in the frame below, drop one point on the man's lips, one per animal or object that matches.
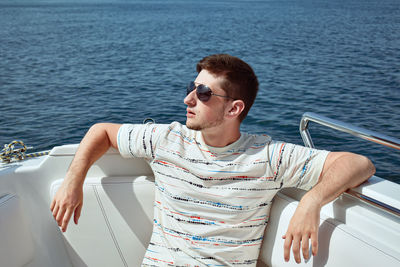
(190, 113)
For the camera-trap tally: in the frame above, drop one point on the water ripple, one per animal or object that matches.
(65, 66)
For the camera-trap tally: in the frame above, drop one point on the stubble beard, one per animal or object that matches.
(205, 125)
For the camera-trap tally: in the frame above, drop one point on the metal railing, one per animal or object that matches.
(358, 132)
(344, 127)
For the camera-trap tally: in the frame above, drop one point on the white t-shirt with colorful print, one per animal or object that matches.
(212, 204)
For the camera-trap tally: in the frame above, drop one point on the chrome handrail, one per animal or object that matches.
(358, 132)
(344, 127)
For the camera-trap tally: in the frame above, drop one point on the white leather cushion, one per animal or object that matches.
(115, 224)
(16, 246)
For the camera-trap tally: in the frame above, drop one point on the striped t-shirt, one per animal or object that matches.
(212, 204)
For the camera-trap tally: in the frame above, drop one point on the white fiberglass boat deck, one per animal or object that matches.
(116, 221)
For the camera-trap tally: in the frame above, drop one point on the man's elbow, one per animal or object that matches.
(366, 168)
(369, 167)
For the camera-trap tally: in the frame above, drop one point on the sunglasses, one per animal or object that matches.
(203, 92)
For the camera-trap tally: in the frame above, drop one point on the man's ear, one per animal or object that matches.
(236, 108)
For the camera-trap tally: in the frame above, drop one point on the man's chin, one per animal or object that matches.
(193, 126)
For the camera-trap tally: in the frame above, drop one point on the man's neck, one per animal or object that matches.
(221, 136)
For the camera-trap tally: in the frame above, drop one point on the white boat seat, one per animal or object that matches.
(16, 246)
(115, 224)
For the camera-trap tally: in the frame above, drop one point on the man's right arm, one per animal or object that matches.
(69, 197)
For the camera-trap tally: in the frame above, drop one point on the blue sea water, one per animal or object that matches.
(67, 65)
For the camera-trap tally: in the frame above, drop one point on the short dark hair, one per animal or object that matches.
(240, 81)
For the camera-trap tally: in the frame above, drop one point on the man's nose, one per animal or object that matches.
(190, 99)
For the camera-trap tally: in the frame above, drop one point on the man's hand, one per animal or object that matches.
(303, 226)
(67, 201)
(69, 197)
(341, 171)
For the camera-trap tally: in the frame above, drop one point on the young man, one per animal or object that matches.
(214, 184)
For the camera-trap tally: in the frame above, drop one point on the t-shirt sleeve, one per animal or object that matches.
(139, 140)
(297, 166)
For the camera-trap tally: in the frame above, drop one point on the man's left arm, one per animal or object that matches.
(341, 171)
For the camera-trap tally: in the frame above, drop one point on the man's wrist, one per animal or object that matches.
(74, 179)
(312, 198)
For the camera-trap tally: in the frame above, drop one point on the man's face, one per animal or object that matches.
(204, 115)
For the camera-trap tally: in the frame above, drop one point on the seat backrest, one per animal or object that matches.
(351, 233)
(16, 246)
(115, 224)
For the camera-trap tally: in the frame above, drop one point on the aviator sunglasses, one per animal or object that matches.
(203, 92)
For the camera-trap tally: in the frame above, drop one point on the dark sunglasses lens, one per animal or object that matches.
(203, 92)
(191, 86)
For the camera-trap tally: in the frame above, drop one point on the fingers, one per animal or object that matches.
(55, 210)
(297, 241)
(286, 247)
(60, 215)
(65, 219)
(304, 247)
(314, 243)
(53, 203)
(67, 201)
(296, 248)
(77, 213)
(303, 226)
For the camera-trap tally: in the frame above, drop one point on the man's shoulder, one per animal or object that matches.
(140, 140)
